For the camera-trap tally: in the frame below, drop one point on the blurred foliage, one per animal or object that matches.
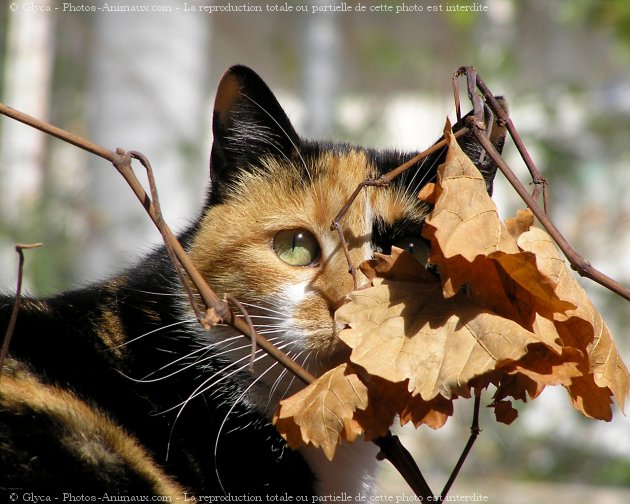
(554, 460)
(609, 14)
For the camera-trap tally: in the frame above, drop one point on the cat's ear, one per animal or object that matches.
(248, 123)
(473, 149)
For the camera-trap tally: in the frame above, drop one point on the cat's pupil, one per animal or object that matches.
(296, 247)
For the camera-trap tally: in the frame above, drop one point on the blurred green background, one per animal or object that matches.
(145, 81)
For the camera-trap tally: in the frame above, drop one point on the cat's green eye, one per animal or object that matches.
(296, 247)
(415, 245)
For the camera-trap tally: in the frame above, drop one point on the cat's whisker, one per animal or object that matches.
(195, 363)
(272, 331)
(151, 293)
(204, 349)
(270, 326)
(268, 329)
(146, 379)
(242, 347)
(275, 385)
(209, 384)
(265, 317)
(161, 328)
(203, 388)
(277, 381)
(264, 308)
(236, 402)
(289, 386)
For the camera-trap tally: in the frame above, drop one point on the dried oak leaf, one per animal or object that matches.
(603, 372)
(322, 413)
(387, 399)
(504, 412)
(504, 311)
(471, 246)
(407, 330)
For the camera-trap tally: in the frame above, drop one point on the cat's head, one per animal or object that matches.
(265, 236)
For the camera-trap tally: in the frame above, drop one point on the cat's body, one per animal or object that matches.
(116, 388)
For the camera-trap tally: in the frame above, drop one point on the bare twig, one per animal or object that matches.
(578, 263)
(336, 225)
(507, 121)
(216, 307)
(474, 433)
(4, 351)
(394, 451)
(161, 225)
(382, 181)
(239, 305)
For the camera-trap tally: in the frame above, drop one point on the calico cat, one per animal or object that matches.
(116, 389)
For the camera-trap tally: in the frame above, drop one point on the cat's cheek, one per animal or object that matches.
(315, 326)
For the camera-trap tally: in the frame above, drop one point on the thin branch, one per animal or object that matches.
(474, 434)
(382, 181)
(336, 224)
(4, 351)
(394, 451)
(391, 175)
(161, 225)
(578, 263)
(250, 324)
(49, 129)
(507, 121)
(473, 96)
(216, 307)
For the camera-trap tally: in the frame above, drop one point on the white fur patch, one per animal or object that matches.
(352, 470)
(295, 294)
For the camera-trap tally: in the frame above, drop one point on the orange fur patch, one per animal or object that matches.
(233, 249)
(87, 431)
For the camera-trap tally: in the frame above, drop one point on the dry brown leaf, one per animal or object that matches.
(521, 223)
(433, 413)
(429, 193)
(401, 330)
(471, 246)
(583, 329)
(397, 266)
(385, 400)
(504, 412)
(505, 311)
(464, 220)
(322, 413)
(517, 386)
